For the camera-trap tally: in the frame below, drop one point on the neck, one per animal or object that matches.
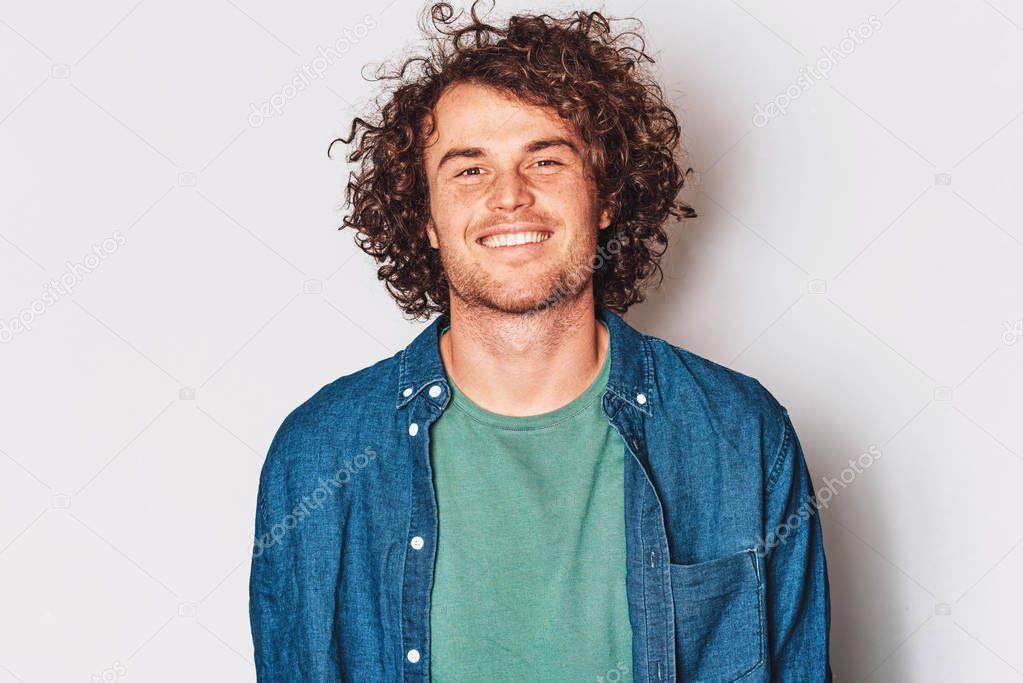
(524, 364)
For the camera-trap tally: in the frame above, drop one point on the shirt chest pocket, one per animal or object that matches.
(719, 625)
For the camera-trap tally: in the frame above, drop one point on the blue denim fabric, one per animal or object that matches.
(725, 576)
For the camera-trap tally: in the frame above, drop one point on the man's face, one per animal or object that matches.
(498, 169)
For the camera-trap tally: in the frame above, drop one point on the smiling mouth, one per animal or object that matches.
(513, 239)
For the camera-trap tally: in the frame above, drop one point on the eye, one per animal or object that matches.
(466, 172)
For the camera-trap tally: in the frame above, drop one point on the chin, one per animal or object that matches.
(517, 295)
(520, 305)
(536, 300)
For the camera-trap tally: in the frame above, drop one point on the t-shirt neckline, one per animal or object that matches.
(541, 420)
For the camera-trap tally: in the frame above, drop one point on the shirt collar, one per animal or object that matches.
(630, 377)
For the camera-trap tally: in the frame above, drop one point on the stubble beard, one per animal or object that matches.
(563, 281)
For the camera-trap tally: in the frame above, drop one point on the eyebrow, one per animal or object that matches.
(534, 146)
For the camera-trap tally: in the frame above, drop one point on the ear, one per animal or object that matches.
(605, 218)
(431, 234)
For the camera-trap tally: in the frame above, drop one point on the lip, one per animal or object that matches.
(513, 229)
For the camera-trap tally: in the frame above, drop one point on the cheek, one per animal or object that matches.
(574, 206)
(466, 187)
(570, 191)
(458, 200)
(451, 223)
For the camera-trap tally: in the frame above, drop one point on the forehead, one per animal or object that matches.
(469, 114)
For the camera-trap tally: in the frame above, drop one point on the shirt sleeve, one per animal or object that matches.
(290, 606)
(268, 595)
(797, 589)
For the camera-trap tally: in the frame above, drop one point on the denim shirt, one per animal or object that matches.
(725, 571)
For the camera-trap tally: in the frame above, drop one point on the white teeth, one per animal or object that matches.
(513, 239)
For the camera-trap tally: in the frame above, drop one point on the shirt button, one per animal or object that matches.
(417, 542)
(413, 429)
(407, 392)
(413, 655)
(435, 391)
(640, 399)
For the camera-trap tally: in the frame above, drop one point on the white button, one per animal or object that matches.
(435, 391)
(417, 542)
(640, 399)
(413, 655)
(407, 392)
(413, 429)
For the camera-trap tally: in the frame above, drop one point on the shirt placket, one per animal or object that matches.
(647, 543)
(421, 542)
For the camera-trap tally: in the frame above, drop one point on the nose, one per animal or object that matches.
(509, 192)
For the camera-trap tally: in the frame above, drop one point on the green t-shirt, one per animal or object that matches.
(529, 582)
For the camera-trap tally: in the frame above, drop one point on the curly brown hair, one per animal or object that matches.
(595, 81)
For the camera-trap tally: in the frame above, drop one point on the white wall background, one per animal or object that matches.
(861, 255)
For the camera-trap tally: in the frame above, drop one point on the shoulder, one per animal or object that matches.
(736, 406)
(367, 386)
(683, 369)
(315, 426)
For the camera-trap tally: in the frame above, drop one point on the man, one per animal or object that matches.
(532, 490)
